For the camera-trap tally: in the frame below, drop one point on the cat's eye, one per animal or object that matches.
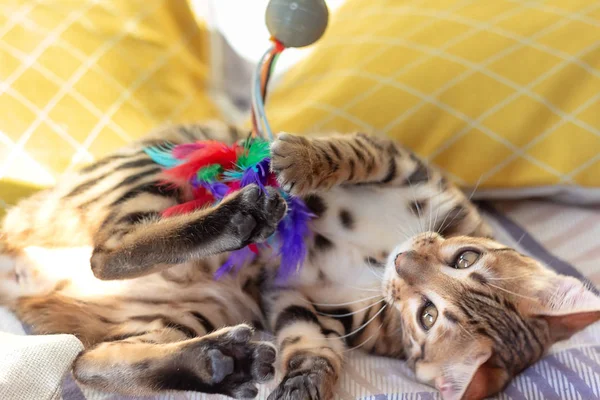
(428, 315)
(466, 259)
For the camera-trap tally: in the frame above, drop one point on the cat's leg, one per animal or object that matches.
(312, 164)
(310, 345)
(133, 240)
(306, 166)
(127, 247)
(225, 361)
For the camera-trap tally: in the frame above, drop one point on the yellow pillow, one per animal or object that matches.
(81, 78)
(501, 93)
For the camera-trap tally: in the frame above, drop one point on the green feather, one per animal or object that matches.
(254, 152)
(210, 173)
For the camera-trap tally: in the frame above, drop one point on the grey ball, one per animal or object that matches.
(297, 23)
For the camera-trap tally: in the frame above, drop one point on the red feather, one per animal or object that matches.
(234, 186)
(212, 152)
(182, 151)
(201, 198)
(272, 180)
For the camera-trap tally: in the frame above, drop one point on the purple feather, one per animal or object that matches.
(217, 189)
(292, 233)
(264, 168)
(236, 260)
(250, 176)
(257, 174)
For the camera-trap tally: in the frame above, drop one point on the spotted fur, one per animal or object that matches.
(93, 257)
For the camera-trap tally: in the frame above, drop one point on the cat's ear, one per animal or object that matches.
(471, 377)
(568, 306)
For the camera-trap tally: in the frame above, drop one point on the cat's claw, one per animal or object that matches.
(292, 162)
(312, 380)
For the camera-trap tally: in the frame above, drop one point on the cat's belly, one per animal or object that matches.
(348, 267)
(354, 235)
(352, 218)
(38, 271)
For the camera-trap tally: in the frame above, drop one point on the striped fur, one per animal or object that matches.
(93, 257)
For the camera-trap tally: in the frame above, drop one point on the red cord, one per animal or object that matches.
(279, 47)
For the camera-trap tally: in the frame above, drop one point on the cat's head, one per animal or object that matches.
(476, 313)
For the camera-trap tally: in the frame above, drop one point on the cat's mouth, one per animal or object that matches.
(392, 283)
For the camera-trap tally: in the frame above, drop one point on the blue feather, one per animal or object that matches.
(162, 156)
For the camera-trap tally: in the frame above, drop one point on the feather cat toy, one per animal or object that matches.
(211, 170)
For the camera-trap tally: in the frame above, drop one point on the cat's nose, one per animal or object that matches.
(398, 260)
(401, 260)
(410, 267)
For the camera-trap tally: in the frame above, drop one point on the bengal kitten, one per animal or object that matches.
(465, 312)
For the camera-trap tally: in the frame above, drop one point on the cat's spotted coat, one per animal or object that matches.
(155, 320)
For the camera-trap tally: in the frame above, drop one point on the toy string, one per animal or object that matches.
(262, 75)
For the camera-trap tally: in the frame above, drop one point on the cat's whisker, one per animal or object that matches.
(354, 332)
(520, 239)
(414, 230)
(443, 227)
(511, 292)
(475, 188)
(465, 330)
(341, 304)
(430, 202)
(379, 277)
(437, 208)
(449, 224)
(443, 224)
(510, 278)
(397, 216)
(362, 289)
(492, 278)
(409, 232)
(433, 203)
(373, 269)
(365, 341)
(363, 325)
(434, 196)
(400, 231)
(350, 313)
(412, 190)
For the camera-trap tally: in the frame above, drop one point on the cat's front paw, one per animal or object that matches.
(256, 214)
(295, 164)
(309, 377)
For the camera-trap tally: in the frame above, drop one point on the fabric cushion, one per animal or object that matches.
(81, 78)
(33, 367)
(501, 95)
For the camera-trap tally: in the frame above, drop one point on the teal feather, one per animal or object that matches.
(230, 175)
(162, 155)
